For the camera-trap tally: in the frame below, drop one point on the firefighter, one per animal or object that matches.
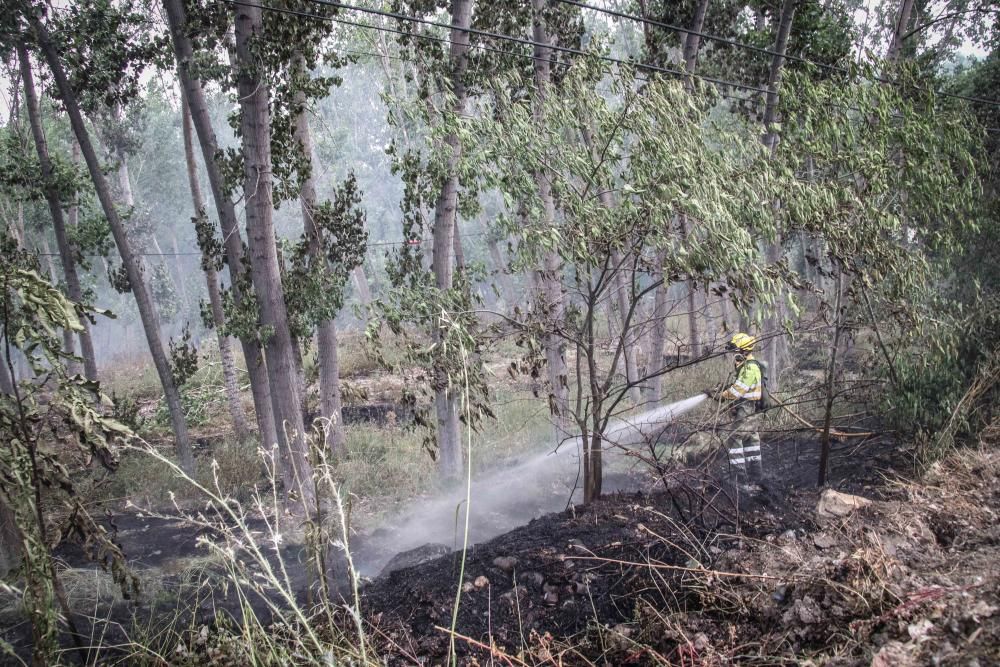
(744, 395)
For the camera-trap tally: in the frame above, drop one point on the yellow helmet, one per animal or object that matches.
(741, 342)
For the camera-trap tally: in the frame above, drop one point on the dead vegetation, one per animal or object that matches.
(911, 578)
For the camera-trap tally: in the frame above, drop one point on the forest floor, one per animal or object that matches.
(909, 578)
(703, 574)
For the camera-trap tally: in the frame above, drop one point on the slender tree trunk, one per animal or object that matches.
(6, 382)
(232, 241)
(500, 266)
(831, 372)
(86, 337)
(694, 332)
(446, 402)
(208, 263)
(66, 250)
(144, 301)
(693, 39)
(326, 334)
(550, 274)
(68, 344)
(658, 339)
(362, 285)
(459, 249)
(10, 538)
(178, 269)
(255, 124)
(902, 26)
(777, 347)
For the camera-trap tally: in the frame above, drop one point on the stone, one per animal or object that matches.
(413, 557)
(532, 579)
(505, 563)
(834, 504)
(824, 540)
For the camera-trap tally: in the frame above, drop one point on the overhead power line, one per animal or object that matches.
(757, 49)
(645, 66)
(484, 33)
(560, 63)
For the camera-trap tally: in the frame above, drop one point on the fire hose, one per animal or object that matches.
(834, 433)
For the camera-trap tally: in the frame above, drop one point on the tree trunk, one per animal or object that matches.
(902, 26)
(255, 125)
(179, 269)
(68, 345)
(549, 276)
(694, 335)
(594, 472)
(693, 40)
(232, 241)
(66, 250)
(658, 340)
(326, 335)
(86, 338)
(777, 347)
(445, 225)
(362, 285)
(6, 382)
(459, 249)
(500, 266)
(226, 358)
(831, 371)
(144, 301)
(10, 539)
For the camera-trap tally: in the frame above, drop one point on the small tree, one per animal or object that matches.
(49, 426)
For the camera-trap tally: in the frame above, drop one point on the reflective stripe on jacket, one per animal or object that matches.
(748, 384)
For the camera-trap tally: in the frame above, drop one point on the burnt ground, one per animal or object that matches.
(569, 572)
(750, 576)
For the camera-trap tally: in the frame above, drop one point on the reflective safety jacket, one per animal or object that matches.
(748, 385)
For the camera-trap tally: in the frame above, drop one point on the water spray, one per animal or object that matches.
(507, 498)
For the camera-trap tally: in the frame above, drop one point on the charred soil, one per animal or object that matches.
(752, 576)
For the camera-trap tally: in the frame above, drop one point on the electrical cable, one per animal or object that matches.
(526, 41)
(486, 33)
(758, 49)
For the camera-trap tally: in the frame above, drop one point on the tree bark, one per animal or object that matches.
(326, 334)
(459, 249)
(66, 250)
(362, 285)
(831, 371)
(549, 275)
(776, 349)
(232, 240)
(445, 226)
(86, 338)
(506, 285)
(892, 54)
(693, 39)
(226, 358)
(144, 301)
(658, 339)
(10, 539)
(255, 126)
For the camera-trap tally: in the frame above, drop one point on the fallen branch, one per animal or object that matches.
(840, 435)
(494, 651)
